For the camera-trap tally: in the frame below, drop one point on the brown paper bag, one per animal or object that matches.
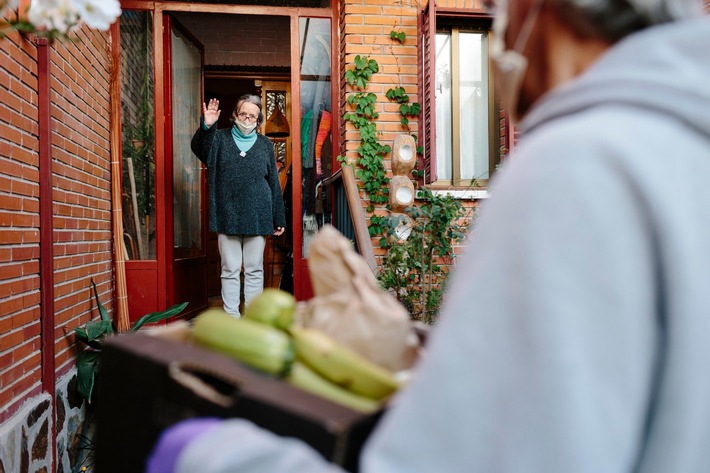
(350, 306)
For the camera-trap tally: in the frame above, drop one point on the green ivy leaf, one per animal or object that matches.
(350, 77)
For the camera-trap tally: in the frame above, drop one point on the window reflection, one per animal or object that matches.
(137, 118)
(316, 124)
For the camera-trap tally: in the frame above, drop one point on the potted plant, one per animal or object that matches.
(93, 335)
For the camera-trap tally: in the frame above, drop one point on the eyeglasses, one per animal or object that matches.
(245, 116)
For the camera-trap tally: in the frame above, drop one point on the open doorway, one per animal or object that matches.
(249, 54)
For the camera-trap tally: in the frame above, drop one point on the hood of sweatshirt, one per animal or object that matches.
(664, 69)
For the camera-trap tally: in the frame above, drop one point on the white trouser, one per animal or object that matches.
(233, 250)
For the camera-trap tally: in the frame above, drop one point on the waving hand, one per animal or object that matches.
(211, 112)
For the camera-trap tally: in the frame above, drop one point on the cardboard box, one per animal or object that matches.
(148, 383)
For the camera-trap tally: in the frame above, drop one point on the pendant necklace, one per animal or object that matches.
(242, 154)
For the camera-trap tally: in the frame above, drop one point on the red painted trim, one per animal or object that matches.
(46, 225)
(162, 245)
(336, 82)
(223, 8)
(167, 158)
(296, 206)
(137, 5)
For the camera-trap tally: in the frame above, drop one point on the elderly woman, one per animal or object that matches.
(576, 332)
(246, 202)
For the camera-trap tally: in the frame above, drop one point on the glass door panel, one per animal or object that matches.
(187, 269)
(316, 124)
(138, 147)
(187, 171)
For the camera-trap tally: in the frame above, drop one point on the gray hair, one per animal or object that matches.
(614, 19)
(251, 98)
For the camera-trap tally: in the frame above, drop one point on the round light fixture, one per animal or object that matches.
(403, 155)
(401, 193)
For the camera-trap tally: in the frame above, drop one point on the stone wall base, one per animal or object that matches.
(29, 439)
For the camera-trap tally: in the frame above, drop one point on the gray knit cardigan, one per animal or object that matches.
(244, 192)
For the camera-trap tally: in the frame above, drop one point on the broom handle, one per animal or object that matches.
(134, 198)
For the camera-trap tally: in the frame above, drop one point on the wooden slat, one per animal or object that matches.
(357, 214)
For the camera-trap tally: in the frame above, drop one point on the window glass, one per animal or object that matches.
(473, 105)
(137, 118)
(316, 123)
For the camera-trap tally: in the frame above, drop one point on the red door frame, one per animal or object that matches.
(158, 273)
(303, 289)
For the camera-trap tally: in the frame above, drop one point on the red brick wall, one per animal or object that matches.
(366, 32)
(81, 183)
(19, 221)
(81, 203)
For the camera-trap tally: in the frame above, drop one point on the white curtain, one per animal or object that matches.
(187, 173)
(473, 80)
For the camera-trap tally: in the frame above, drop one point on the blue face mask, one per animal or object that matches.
(244, 127)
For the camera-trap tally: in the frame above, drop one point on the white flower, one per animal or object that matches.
(98, 14)
(57, 15)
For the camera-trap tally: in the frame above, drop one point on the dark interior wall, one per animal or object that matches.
(241, 40)
(227, 91)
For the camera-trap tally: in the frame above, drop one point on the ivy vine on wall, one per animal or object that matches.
(399, 95)
(370, 167)
(371, 153)
(414, 269)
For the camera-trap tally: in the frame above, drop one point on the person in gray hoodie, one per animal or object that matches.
(575, 335)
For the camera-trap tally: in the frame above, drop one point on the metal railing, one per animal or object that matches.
(349, 215)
